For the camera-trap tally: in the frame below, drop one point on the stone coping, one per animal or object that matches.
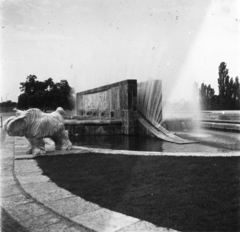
(38, 204)
(81, 149)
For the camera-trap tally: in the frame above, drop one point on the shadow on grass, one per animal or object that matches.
(182, 193)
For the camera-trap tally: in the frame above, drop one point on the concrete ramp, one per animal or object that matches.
(149, 105)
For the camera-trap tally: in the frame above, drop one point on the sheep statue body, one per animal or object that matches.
(36, 125)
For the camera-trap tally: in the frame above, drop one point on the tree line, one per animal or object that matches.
(45, 95)
(229, 92)
(8, 104)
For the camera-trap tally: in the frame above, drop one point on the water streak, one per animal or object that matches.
(150, 101)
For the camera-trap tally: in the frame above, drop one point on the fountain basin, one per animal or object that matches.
(209, 142)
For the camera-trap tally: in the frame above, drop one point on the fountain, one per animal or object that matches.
(129, 108)
(139, 183)
(122, 108)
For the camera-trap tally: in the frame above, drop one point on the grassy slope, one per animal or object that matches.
(183, 193)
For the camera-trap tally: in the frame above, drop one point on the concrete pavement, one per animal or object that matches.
(30, 201)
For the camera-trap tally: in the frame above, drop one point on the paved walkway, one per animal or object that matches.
(31, 202)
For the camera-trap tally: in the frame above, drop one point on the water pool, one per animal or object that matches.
(139, 143)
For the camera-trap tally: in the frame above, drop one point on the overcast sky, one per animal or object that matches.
(92, 43)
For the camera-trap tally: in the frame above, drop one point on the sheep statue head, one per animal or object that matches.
(36, 125)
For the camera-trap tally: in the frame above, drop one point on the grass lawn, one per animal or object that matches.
(182, 193)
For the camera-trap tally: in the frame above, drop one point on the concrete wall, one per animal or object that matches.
(117, 101)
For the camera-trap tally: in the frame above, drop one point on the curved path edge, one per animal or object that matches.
(23, 209)
(38, 204)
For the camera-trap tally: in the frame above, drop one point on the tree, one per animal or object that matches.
(8, 104)
(229, 89)
(222, 80)
(45, 95)
(236, 94)
(206, 94)
(22, 101)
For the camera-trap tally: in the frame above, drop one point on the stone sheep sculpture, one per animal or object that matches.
(36, 125)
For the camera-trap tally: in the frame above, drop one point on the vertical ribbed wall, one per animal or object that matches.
(149, 101)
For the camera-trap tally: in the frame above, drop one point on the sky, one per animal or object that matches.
(93, 43)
